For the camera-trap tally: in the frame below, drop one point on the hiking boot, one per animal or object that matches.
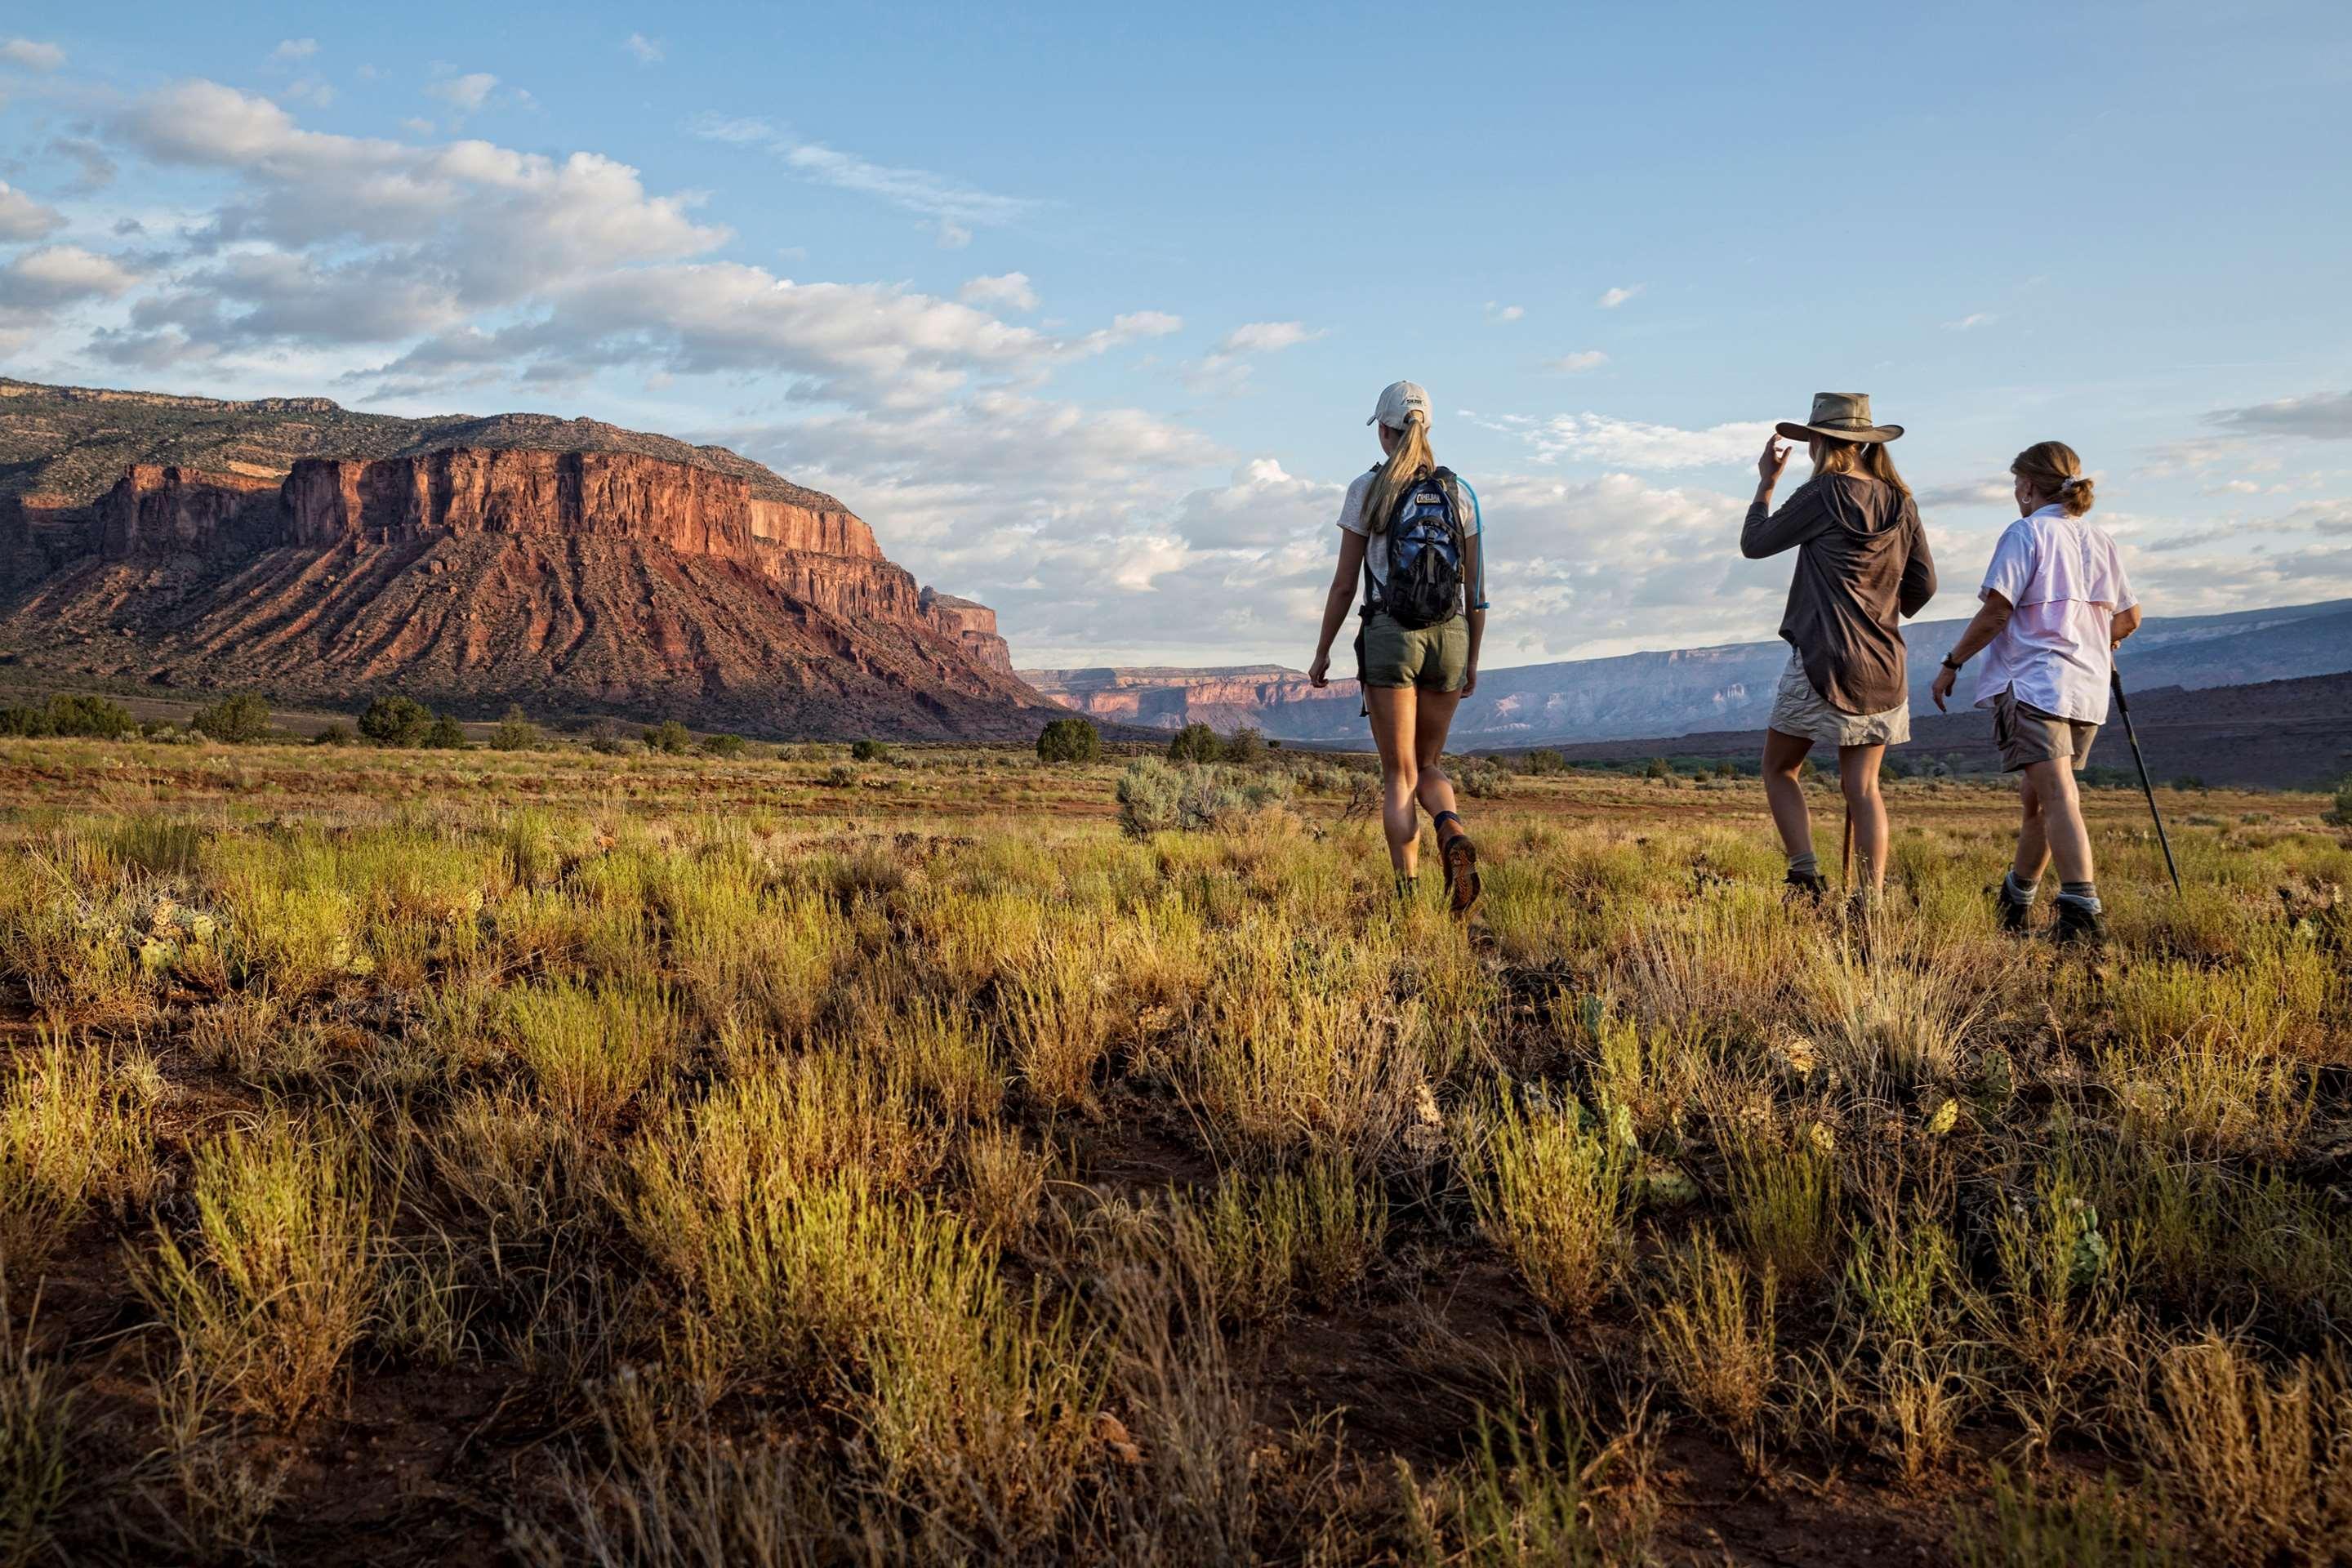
(2079, 922)
(1460, 858)
(2015, 919)
(1810, 886)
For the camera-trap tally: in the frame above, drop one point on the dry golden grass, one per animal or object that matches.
(427, 1157)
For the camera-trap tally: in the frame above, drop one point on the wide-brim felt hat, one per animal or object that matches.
(1839, 416)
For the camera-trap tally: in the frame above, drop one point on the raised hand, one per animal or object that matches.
(1775, 459)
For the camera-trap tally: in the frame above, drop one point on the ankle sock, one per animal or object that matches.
(1806, 865)
(2018, 891)
(1438, 824)
(2083, 893)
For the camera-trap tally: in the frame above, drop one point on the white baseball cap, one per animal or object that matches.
(1399, 398)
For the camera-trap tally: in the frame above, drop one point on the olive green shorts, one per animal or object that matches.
(1434, 659)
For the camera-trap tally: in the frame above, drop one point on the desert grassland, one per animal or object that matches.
(555, 1158)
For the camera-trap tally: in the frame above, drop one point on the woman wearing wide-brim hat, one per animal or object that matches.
(1862, 567)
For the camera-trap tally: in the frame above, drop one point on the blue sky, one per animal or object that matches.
(1083, 308)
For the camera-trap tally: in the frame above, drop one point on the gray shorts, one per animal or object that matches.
(2027, 735)
(1797, 710)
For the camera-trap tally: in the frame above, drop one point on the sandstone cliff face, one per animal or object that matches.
(572, 566)
(1282, 702)
(973, 626)
(159, 509)
(621, 495)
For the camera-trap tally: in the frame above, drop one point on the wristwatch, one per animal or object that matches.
(1951, 663)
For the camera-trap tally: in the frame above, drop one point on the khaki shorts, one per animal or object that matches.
(1800, 711)
(1434, 659)
(2026, 735)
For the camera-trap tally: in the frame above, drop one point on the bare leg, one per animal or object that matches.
(1393, 710)
(2032, 832)
(1435, 717)
(2062, 820)
(1783, 755)
(1866, 808)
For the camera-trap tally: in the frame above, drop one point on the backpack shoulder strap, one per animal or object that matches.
(1477, 514)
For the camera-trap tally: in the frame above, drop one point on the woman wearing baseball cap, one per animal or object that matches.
(1409, 529)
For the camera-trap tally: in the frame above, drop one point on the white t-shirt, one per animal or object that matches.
(2065, 578)
(1376, 547)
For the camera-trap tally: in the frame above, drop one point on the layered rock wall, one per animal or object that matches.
(825, 558)
(1282, 702)
(973, 626)
(619, 495)
(154, 508)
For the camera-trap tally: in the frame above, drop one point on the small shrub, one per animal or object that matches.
(1523, 1498)
(727, 748)
(2092, 1527)
(870, 752)
(444, 734)
(1552, 1194)
(607, 739)
(86, 718)
(1195, 743)
(1658, 768)
(1481, 778)
(1543, 761)
(669, 739)
(514, 732)
(333, 735)
(1711, 1329)
(275, 1285)
(1245, 747)
(1071, 739)
(395, 721)
(36, 1467)
(234, 721)
(1154, 797)
(2263, 1463)
(2341, 813)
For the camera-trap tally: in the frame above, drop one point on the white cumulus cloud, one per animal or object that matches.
(1006, 292)
(23, 218)
(648, 51)
(30, 54)
(1579, 360)
(1633, 444)
(1612, 298)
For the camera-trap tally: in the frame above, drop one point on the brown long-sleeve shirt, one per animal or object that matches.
(1861, 567)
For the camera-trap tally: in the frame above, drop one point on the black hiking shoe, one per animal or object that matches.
(1809, 886)
(2079, 922)
(1461, 857)
(2016, 918)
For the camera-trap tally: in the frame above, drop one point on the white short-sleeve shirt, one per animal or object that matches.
(1376, 545)
(2064, 576)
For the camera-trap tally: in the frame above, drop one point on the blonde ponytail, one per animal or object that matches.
(2056, 475)
(1410, 463)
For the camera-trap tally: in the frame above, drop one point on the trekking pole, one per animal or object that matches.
(2115, 680)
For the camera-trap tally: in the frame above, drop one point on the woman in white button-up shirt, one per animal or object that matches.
(2056, 603)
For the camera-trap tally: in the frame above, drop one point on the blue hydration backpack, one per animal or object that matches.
(1426, 546)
